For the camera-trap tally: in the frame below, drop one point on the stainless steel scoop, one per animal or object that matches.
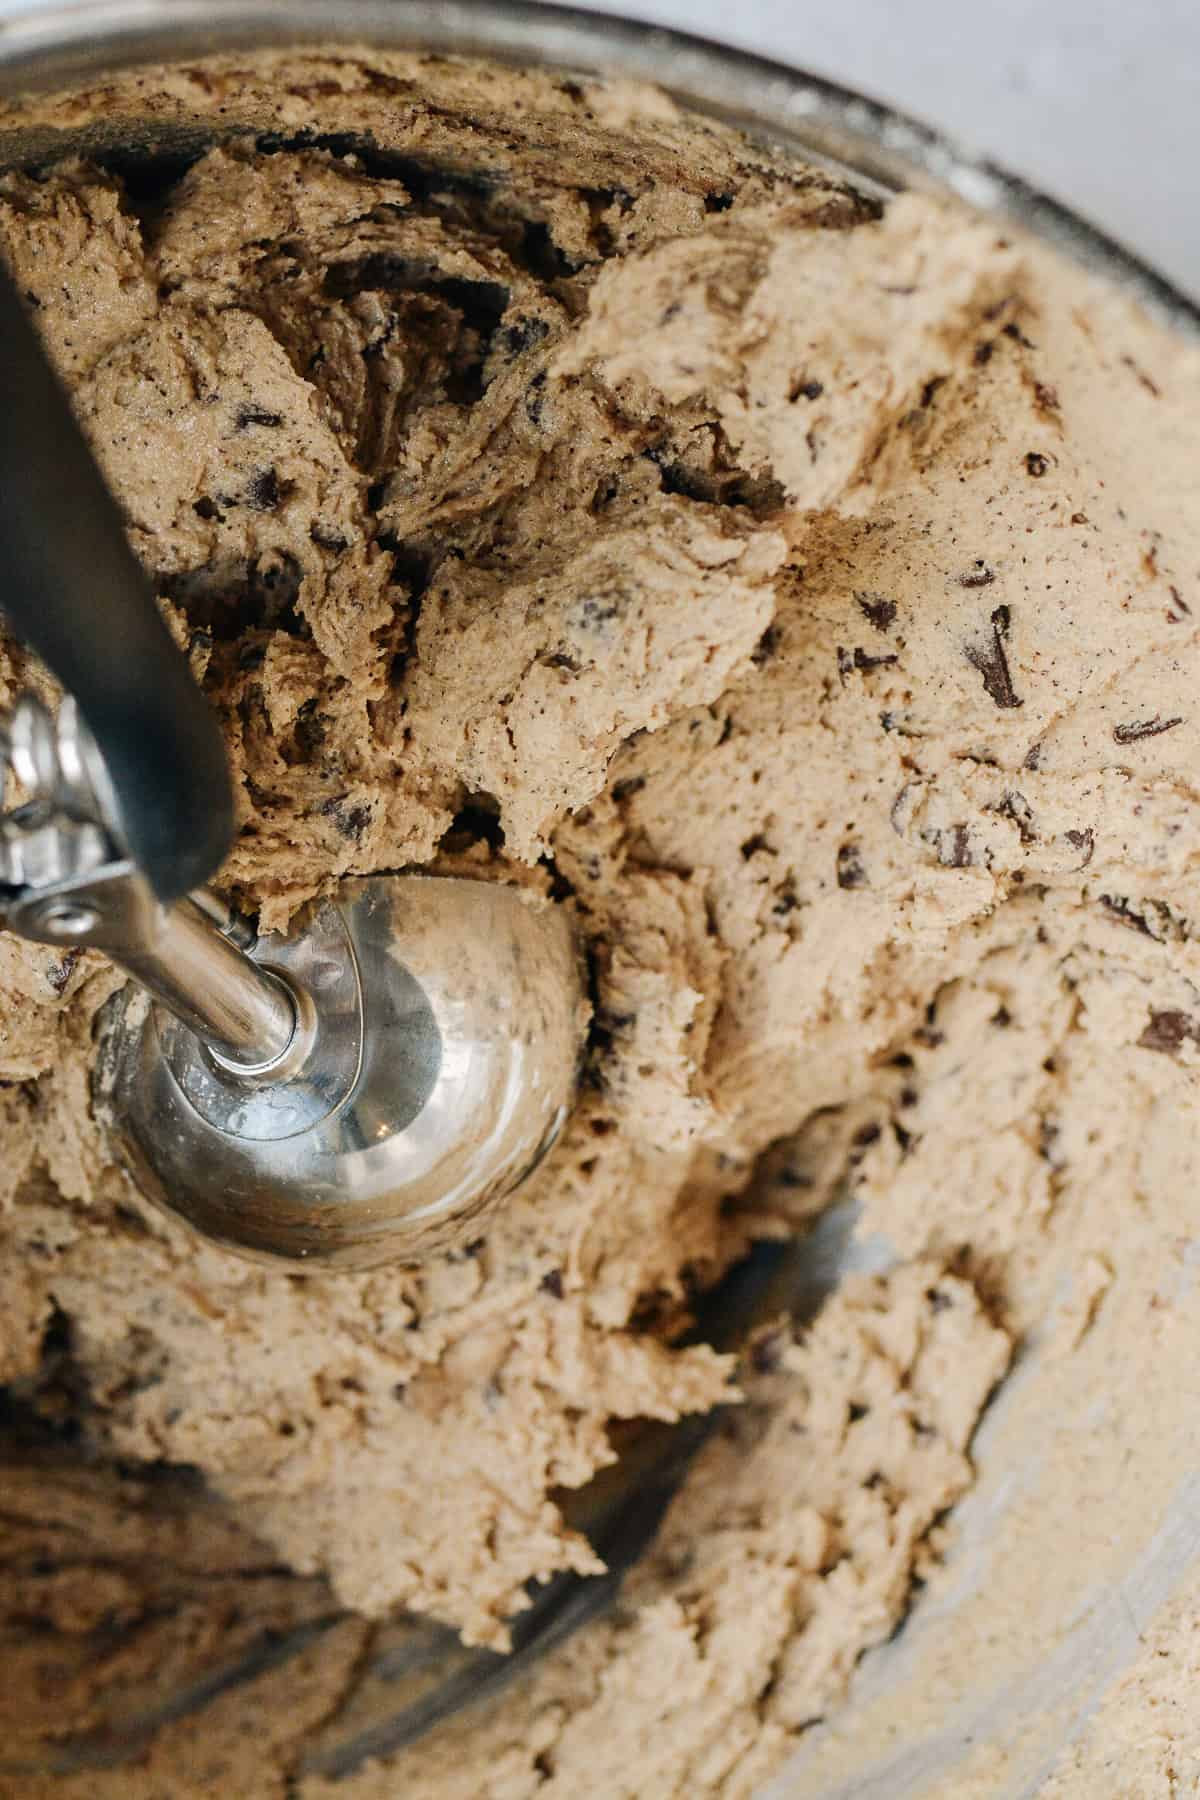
(357, 1091)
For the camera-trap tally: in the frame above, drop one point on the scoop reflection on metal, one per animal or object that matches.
(358, 1091)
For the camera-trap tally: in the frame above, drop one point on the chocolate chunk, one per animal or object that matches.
(878, 609)
(902, 725)
(1123, 914)
(523, 334)
(1036, 463)
(1144, 728)
(850, 870)
(595, 611)
(806, 390)
(1014, 332)
(1084, 840)
(1046, 397)
(351, 820)
(1048, 1135)
(954, 851)
(1016, 807)
(552, 1283)
(1168, 1031)
(980, 574)
(766, 647)
(862, 660)
(263, 491)
(535, 398)
(256, 415)
(992, 662)
(1179, 608)
(984, 353)
(59, 973)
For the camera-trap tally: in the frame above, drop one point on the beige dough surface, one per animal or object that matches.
(551, 488)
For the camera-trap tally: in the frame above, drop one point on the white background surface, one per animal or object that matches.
(1095, 101)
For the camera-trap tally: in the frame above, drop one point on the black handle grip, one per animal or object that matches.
(72, 589)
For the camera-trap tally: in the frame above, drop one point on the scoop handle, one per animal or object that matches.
(72, 590)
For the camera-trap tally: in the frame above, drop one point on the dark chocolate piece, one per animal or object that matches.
(1168, 1031)
(992, 662)
(878, 609)
(1144, 728)
(850, 870)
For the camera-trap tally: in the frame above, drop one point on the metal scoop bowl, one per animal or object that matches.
(358, 1091)
(430, 1069)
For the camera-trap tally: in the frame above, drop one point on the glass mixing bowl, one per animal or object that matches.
(990, 1694)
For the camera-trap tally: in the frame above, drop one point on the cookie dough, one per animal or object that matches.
(550, 487)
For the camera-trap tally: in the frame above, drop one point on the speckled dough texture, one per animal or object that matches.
(551, 488)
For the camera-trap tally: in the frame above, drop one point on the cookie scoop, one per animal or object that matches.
(359, 1090)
